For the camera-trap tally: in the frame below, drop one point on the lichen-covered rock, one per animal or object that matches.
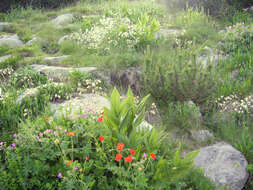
(3, 58)
(84, 103)
(224, 165)
(63, 20)
(11, 41)
(54, 60)
(201, 135)
(59, 73)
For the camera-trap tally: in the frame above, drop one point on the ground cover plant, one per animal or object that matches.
(193, 65)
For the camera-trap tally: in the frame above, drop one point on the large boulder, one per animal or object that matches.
(59, 73)
(84, 103)
(11, 41)
(224, 165)
(63, 20)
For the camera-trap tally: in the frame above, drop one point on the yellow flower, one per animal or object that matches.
(56, 141)
(140, 169)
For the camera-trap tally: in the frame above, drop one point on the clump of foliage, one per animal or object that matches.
(87, 153)
(176, 76)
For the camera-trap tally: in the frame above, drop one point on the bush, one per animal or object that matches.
(174, 75)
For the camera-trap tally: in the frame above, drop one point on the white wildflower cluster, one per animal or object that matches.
(57, 91)
(5, 73)
(234, 103)
(236, 30)
(111, 31)
(22, 80)
(153, 109)
(90, 86)
(2, 145)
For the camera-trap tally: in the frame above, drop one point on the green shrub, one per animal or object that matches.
(173, 75)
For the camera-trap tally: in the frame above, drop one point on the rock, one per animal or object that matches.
(201, 135)
(31, 92)
(164, 33)
(3, 58)
(208, 55)
(131, 77)
(54, 60)
(59, 73)
(5, 26)
(35, 40)
(83, 104)
(10, 40)
(224, 165)
(63, 38)
(63, 20)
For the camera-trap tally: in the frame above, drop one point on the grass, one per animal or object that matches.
(171, 73)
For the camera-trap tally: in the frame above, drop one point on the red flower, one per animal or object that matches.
(87, 158)
(152, 155)
(46, 118)
(69, 162)
(118, 157)
(100, 119)
(71, 134)
(101, 138)
(132, 151)
(120, 146)
(128, 159)
(102, 113)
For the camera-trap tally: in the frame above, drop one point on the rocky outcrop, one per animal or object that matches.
(59, 73)
(201, 135)
(3, 58)
(54, 60)
(224, 165)
(11, 41)
(63, 20)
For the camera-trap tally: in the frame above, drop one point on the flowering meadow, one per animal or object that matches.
(127, 95)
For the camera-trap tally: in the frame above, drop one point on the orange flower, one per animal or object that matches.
(120, 146)
(102, 113)
(101, 138)
(87, 158)
(69, 162)
(128, 159)
(152, 155)
(100, 119)
(46, 118)
(71, 134)
(132, 151)
(118, 157)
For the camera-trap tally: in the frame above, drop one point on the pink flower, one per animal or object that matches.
(144, 155)
(90, 109)
(13, 145)
(246, 9)
(48, 131)
(75, 168)
(40, 134)
(59, 175)
(14, 135)
(84, 115)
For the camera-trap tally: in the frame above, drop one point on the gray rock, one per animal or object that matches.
(86, 103)
(3, 58)
(4, 26)
(164, 33)
(54, 60)
(59, 73)
(201, 135)
(208, 55)
(130, 77)
(224, 165)
(10, 40)
(31, 92)
(63, 20)
(35, 40)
